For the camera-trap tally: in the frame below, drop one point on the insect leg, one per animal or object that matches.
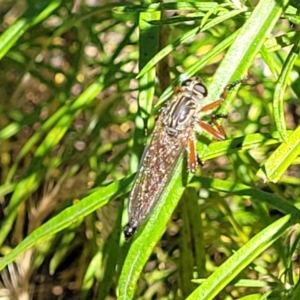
(219, 132)
(218, 126)
(192, 155)
(200, 163)
(231, 85)
(235, 83)
(212, 105)
(223, 96)
(216, 133)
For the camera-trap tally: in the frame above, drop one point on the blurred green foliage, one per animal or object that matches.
(80, 82)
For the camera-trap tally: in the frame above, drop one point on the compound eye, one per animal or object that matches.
(200, 88)
(186, 82)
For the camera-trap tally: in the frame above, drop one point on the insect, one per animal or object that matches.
(173, 133)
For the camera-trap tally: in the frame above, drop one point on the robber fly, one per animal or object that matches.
(173, 132)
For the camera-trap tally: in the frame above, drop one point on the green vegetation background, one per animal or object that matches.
(80, 82)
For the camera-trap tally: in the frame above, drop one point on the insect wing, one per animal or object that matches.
(156, 167)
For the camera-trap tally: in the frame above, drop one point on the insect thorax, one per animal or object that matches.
(182, 111)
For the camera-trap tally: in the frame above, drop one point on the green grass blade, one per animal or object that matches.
(58, 123)
(36, 170)
(240, 56)
(68, 216)
(245, 47)
(168, 49)
(241, 259)
(280, 90)
(192, 70)
(153, 7)
(281, 159)
(184, 38)
(34, 15)
(250, 141)
(147, 237)
(149, 43)
(246, 191)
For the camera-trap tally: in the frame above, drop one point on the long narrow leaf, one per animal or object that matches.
(241, 259)
(69, 216)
